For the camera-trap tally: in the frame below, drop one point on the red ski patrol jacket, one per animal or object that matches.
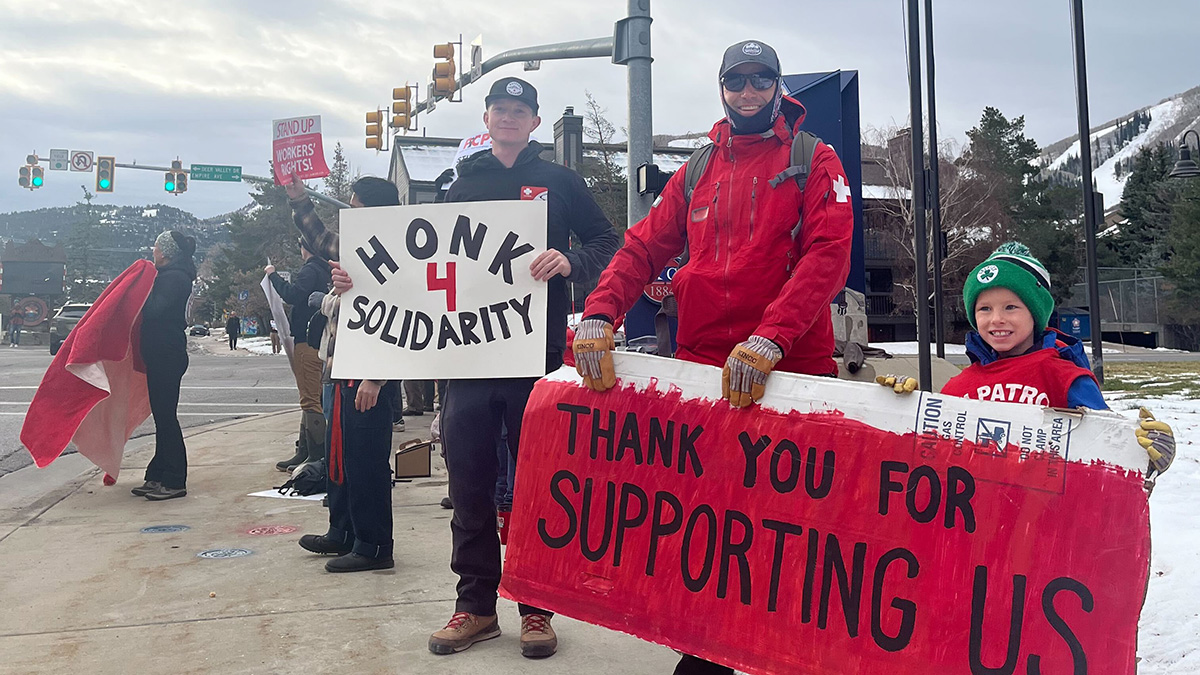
(748, 272)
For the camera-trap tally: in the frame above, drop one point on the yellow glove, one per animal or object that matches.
(593, 349)
(744, 377)
(901, 384)
(1157, 438)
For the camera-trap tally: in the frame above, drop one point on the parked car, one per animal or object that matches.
(63, 321)
(198, 331)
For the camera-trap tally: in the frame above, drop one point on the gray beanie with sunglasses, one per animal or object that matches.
(751, 51)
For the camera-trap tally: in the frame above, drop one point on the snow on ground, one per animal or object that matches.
(1162, 116)
(1169, 630)
(911, 348)
(256, 345)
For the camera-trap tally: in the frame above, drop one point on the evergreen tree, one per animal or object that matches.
(267, 234)
(338, 182)
(1146, 204)
(1043, 215)
(1182, 268)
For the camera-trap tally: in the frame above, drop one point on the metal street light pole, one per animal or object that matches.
(918, 195)
(1089, 202)
(935, 205)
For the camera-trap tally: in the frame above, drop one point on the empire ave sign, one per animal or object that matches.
(216, 172)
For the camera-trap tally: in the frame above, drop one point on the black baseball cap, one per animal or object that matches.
(514, 88)
(750, 51)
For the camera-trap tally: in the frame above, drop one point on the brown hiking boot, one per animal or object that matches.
(537, 637)
(464, 630)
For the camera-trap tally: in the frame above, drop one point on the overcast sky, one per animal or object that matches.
(202, 80)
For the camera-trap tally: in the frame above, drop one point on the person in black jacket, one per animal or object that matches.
(233, 329)
(306, 363)
(164, 351)
(475, 409)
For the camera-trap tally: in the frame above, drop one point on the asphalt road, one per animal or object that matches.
(219, 385)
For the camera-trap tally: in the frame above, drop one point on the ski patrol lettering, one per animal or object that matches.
(442, 289)
(840, 546)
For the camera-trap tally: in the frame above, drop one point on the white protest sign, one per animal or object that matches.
(442, 291)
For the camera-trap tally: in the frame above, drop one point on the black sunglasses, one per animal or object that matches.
(760, 81)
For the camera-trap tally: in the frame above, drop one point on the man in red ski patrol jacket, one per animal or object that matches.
(764, 259)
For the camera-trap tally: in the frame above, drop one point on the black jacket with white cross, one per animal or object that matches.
(571, 209)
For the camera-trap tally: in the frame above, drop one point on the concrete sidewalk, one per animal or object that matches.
(84, 590)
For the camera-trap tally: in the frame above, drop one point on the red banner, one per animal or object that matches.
(789, 542)
(296, 148)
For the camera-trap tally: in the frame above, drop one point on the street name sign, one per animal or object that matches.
(216, 172)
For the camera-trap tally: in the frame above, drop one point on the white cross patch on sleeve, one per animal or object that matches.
(842, 189)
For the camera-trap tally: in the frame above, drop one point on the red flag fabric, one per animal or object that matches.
(94, 392)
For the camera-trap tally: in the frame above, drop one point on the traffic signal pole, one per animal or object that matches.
(246, 178)
(629, 46)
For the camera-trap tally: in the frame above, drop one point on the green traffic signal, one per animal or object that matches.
(104, 183)
(169, 186)
(37, 181)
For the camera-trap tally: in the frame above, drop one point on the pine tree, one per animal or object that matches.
(1182, 268)
(1146, 203)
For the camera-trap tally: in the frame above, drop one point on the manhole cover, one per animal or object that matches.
(224, 553)
(267, 530)
(163, 529)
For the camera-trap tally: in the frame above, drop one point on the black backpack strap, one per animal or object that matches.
(804, 147)
(694, 169)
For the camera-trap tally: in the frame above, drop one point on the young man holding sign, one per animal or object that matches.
(475, 409)
(767, 254)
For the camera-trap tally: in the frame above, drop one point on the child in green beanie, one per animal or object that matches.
(1017, 358)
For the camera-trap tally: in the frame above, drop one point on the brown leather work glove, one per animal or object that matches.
(593, 349)
(744, 377)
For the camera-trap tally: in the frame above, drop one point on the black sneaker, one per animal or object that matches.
(446, 503)
(412, 412)
(145, 488)
(319, 543)
(354, 562)
(162, 493)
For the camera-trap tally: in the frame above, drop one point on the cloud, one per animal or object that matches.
(202, 81)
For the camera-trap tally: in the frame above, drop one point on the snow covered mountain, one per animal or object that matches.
(1117, 142)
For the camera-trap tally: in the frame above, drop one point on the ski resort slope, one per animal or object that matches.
(1162, 117)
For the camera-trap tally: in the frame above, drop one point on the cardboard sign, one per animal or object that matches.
(442, 291)
(838, 528)
(296, 148)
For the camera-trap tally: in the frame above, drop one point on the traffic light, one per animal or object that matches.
(31, 176)
(402, 117)
(443, 72)
(105, 173)
(175, 180)
(375, 130)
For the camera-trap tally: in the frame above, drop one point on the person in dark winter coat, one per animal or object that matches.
(360, 414)
(233, 329)
(306, 363)
(475, 409)
(164, 351)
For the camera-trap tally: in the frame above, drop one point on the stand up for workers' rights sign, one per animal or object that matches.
(837, 528)
(296, 148)
(442, 291)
